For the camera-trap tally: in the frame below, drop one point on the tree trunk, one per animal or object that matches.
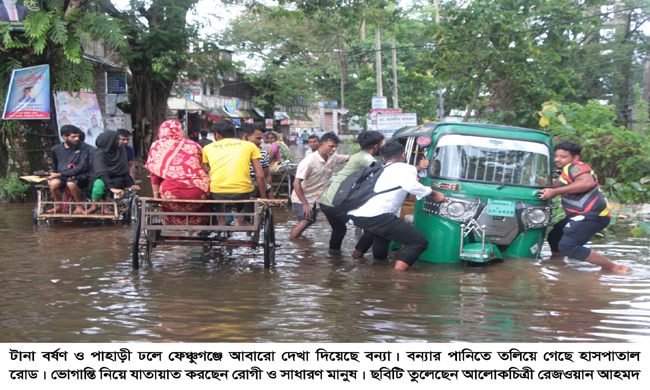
(148, 109)
(470, 107)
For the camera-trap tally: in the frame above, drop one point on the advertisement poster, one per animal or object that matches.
(15, 11)
(28, 96)
(82, 111)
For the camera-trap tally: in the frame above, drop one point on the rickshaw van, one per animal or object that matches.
(491, 176)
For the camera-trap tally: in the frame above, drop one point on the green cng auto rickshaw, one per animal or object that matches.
(491, 176)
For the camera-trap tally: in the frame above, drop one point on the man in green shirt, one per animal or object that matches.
(371, 143)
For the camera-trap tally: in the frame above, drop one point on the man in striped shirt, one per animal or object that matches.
(252, 133)
(586, 208)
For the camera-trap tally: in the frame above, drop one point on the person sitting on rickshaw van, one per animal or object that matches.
(586, 208)
(252, 133)
(176, 172)
(278, 151)
(125, 136)
(111, 168)
(229, 160)
(377, 216)
(71, 167)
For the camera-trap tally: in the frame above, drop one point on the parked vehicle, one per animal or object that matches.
(491, 176)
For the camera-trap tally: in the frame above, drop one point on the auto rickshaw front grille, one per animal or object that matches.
(501, 231)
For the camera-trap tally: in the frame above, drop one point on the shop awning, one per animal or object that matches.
(280, 116)
(182, 104)
(213, 117)
(221, 113)
(259, 112)
(243, 114)
(231, 111)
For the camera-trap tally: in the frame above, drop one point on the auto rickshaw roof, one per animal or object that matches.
(427, 129)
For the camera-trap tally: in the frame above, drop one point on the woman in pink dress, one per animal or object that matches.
(177, 172)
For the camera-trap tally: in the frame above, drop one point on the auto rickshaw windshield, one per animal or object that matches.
(491, 160)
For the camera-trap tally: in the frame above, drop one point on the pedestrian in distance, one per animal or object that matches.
(314, 143)
(586, 208)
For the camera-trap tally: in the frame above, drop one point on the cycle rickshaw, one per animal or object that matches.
(152, 229)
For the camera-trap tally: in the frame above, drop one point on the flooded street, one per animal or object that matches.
(73, 282)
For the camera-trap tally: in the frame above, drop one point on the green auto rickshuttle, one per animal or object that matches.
(491, 176)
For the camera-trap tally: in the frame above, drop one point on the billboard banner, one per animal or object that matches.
(28, 96)
(14, 12)
(82, 111)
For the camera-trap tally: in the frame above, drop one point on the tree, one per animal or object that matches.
(158, 38)
(609, 55)
(283, 55)
(499, 59)
(52, 36)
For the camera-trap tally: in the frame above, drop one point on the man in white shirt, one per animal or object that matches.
(314, 143)
(378, 218)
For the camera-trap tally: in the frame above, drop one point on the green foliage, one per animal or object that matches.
(620, 158)
(354, 146)
(501, 59)
(13, 188)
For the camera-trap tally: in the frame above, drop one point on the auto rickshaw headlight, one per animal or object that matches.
(455, 209)
(536, 217)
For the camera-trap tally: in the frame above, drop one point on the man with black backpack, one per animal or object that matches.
(377, 215)
(370, 143)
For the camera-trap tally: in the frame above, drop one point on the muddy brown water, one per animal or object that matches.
(73, 282)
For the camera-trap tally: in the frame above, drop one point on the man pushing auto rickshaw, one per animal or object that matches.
(586, 208)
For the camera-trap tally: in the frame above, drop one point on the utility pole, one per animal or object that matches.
(380, 89)
(395, 103)
(437, 6)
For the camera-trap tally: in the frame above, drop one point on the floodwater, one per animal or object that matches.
(73, 282)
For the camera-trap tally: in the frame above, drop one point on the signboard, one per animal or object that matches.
(343, 111)
(184, 87)
(395, 121)
(16, 13)
(269, 123)
(379, 103)
(28, 96)
(373, 116)
(116, 83)
(82, 111)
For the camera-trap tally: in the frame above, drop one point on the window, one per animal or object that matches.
(491, 160)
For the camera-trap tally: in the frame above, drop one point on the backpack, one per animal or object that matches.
(358, 188)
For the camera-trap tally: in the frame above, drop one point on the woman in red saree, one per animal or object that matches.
(177, 173)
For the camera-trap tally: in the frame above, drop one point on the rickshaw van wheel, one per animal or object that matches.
(269, 239)
(128, 215)
(135, 250)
